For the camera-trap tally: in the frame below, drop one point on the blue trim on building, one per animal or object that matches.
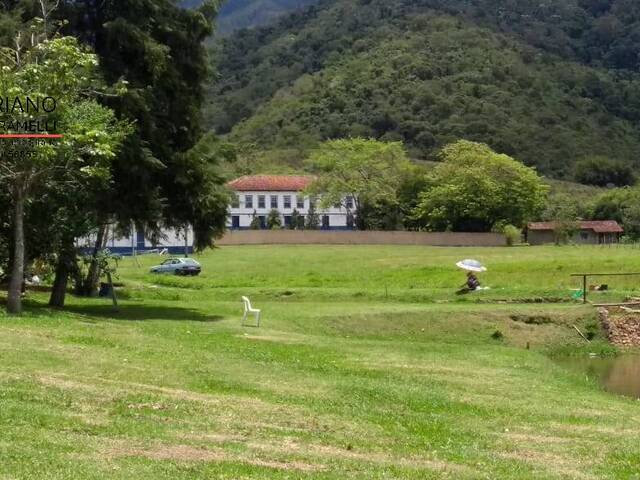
(330, 229)
(126, 251)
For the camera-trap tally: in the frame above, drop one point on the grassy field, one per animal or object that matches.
(367, 366)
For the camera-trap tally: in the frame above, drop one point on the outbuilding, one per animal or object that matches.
(598, 232)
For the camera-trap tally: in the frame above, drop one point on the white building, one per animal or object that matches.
(258, 195)
(138, 241)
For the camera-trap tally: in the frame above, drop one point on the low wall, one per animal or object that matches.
(623, 328)
(331, 237)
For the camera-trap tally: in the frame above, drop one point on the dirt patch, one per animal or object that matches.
(532, 319)
(190, 454)
(536, 439)
(333, 453)
(285, 339)
(184, 453)
(551, 462)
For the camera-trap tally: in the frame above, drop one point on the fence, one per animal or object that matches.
(332, 237)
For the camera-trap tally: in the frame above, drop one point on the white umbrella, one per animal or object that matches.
(471, 265)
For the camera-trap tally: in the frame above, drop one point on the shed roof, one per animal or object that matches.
(598, 226)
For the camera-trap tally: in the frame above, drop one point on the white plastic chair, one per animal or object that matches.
(248, 309)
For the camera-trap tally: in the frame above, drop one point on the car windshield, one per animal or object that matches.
(190, 261)
(168, 262)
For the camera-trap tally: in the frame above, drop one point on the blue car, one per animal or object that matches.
(178, 266)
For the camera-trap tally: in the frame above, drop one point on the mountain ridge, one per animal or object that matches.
(392, 71)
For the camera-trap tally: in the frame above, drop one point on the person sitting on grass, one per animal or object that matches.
(471, 285)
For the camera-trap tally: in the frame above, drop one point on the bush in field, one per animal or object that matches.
(512, 234)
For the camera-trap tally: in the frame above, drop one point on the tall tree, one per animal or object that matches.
(165, 174)
(368, 171)
(475, 188)
(63, 75)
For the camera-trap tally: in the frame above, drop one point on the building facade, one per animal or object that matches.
(587, 233)
(256, 196)
(171, 241)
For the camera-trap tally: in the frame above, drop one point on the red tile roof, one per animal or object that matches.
(271, 183)
(599, 226)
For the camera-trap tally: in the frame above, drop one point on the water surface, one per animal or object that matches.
(619, 375)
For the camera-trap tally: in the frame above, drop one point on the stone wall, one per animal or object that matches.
(622, 328)
(332, 237)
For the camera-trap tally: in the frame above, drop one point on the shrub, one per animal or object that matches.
(273, 220)
(255, 222)
(512, 234)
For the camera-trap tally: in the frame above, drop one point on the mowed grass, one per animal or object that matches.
(366, 366)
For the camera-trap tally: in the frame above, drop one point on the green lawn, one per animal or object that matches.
(366, 366)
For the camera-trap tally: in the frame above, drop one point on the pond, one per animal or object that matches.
(619, 375)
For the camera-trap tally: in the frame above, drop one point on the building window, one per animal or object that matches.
(287, 221)
(235, 202)
(274, 201)
(263, 222)
(261, 201)
(287, 201)
(248, 201)
(325, 222)
(300, 202)
(349, 202)
(235, 222)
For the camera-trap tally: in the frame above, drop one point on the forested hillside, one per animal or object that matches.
(236, 14)
(547, 83)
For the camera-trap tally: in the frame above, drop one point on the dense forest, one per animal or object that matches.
(549, 84)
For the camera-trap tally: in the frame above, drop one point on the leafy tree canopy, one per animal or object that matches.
(474, 189)
(368, 171)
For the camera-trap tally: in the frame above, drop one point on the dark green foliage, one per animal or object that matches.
(475, 189)
(429, 72)
(312, 221)
(273, 220)
(603, 172)
(622, 205)
(165, 173)
(497, 335)
(255, 222)
(297, 220)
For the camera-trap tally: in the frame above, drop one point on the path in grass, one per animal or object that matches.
(342, 381)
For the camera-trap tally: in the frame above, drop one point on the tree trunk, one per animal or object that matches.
(64, 268)
(14, 299)
(93, 276)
